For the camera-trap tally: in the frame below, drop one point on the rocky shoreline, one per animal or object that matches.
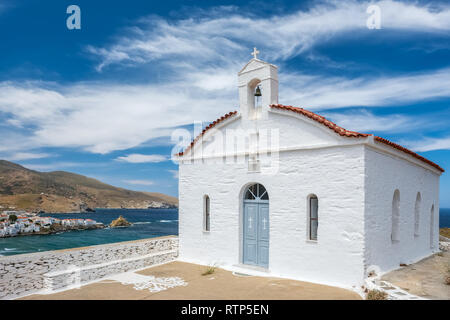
(17, 223)
(91, 210)
(46, 232)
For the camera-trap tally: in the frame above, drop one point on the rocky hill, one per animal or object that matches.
(60, 191)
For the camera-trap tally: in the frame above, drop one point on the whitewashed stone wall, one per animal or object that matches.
(28, 273)
(385, 174)
(334, 174)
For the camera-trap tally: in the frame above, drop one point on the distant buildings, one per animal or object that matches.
(14, 223)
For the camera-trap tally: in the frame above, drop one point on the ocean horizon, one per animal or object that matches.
(147, 223)
(444, 218)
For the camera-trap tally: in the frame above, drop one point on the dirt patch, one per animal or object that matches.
(425, 278)
(445, 232)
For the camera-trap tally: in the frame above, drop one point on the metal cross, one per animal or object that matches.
(264, 223)
(255, 53)
(249, 222)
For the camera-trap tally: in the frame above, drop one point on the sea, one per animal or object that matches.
(444, 218)
(147, 223)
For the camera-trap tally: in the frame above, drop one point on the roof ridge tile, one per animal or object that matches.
(212, 124)
(322, 120)
(354, 134)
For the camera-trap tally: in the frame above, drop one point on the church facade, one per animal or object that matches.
(282, 190)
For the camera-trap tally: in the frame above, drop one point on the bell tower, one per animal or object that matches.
(258, 88)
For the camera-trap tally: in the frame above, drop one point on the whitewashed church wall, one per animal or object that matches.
(385, 174)
(297, 130)
(281, 131)
(335, 175)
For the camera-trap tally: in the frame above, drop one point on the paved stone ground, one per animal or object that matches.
(424, 278)
(179, 280)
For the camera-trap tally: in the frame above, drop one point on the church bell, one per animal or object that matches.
(258, 92)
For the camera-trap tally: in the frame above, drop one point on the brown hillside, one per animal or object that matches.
(165, 197)
(61, 191)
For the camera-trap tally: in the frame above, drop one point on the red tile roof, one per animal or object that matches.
(322, 120)
(341, 131)
(211, 125)
(412, 153)
(352, 134)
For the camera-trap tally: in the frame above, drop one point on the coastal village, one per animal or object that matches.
(14, 223)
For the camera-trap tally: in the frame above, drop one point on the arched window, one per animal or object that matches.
(432, 227)
(417, 214)
(313, 217)
(256, 192)
(206, 213)
(395, 216)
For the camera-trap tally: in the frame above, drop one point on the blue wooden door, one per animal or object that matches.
(263, 235)
(256, 233)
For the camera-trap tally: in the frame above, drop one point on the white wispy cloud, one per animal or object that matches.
(429, 144)
(142, 158)
(139, 182)
(174, 173)
(224, 33)
(104, 117)
(26, 156)
(62, 165)
(101, 118)
(322, 92)
(366, 121)
(200, 57)
(53, 166)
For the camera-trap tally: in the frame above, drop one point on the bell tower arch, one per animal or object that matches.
(258, 88)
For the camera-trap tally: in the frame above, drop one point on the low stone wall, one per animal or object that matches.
(444, 245)
(27, 273)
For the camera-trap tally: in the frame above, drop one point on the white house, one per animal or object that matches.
(89, 222)
(68, 222)
(283, 190)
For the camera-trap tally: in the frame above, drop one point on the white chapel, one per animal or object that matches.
(284, 191)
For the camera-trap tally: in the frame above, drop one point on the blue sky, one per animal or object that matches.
(103, 101)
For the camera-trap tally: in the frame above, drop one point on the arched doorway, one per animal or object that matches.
(256, 226)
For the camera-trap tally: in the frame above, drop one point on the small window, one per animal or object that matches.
(432, 227)
(395, 216)
(313, 217)
(206, 213)
(417, 214)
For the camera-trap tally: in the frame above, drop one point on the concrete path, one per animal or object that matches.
(179, 280)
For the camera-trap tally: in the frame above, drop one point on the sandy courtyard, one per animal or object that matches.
(221, 284)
